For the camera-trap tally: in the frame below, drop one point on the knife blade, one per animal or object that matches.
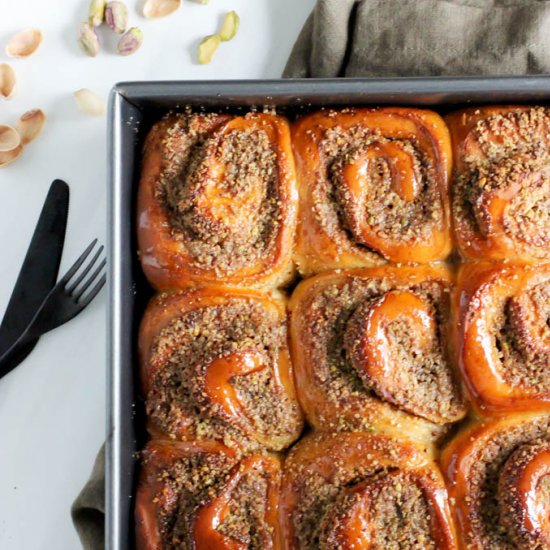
(39, 271)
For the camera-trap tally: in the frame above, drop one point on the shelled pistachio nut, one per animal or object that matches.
(30, 125)
(24, 43)
(7, 81)
(116, 16)
(89, 102)
(153, 9)
(96, 12)
(230, 26)
(207, 48)
(88, 39)
(130, 41)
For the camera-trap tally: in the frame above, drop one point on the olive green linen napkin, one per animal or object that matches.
(389, 38)
(88, 510)
(385, 38)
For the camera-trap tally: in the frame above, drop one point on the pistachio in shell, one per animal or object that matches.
(30, 125)
(24, 43)
(9, 138)
(153, 9)
(7, 81)
(207, 48)
(8, 157)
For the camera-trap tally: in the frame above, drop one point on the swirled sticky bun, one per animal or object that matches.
(370, 350)
(202, 496)
(217, 201)
(373, 186)
(499, 483)
(501, 188)
(359, 491)
(504, 336)
(215, 365)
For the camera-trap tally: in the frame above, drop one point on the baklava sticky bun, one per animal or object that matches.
(203, 496)
(499, 483)
(371, 350)
(215, 365)
(501, 188)
(217, 201)
(373, 187)
(504, 336)
(363, 491)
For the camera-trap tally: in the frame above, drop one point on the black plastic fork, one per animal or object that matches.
(65, 300)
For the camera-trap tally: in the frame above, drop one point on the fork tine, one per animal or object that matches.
(90, 279)
(93, 293)
(78, 263)
(86, 270)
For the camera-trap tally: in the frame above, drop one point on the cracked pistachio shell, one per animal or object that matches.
(9, 138)
(230, 26)
(207, 48)
(7, 81)
(96, 12)
(116, 16)
(154, 9)
(8, 157)
(89, 102)
(130, 41)
(30, 125)
(24, 43)
(88, 39)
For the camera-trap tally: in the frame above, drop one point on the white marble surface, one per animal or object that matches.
(52, 407)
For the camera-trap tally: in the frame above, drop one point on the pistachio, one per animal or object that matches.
(9, 156)
(96, 12)
(207, 48)
(7, 81)
(130, 41)
(116, 16)
(88, 39)
(89, 102)
(230, 26)
(30, 125)
(154, 9)
(24, 43)
(9, 138)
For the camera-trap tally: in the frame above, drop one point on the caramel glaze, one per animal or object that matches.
(373, 187)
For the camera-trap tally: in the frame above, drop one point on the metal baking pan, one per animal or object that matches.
(134, 106)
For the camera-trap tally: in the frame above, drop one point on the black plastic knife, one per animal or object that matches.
(39, 271)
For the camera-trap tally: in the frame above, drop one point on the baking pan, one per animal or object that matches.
(134, 106)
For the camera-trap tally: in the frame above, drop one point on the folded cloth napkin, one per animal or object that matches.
(389, 38)
(88, 510)
(386, 38)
